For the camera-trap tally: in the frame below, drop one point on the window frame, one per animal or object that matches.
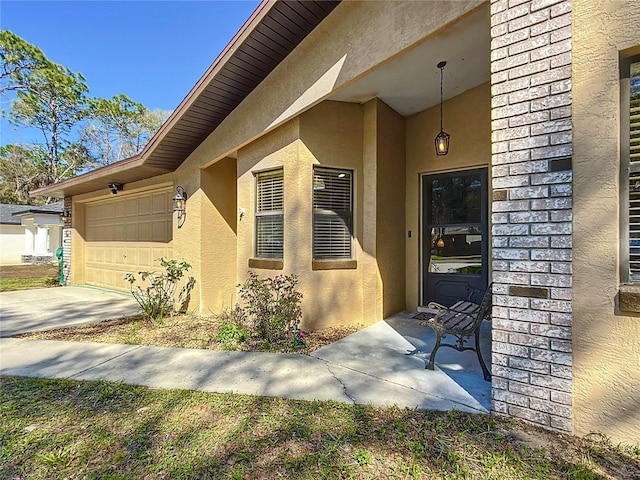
(260, 213)
(335, 260)
(627, 169)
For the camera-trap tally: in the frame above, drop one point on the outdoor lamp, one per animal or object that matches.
(442, 139)
(179, 202)
(114, 188)
(66, 215)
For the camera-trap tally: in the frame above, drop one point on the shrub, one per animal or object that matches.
(230, 335)
(273, 306)
(158, 298)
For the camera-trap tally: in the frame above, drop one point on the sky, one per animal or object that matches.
(152, 51)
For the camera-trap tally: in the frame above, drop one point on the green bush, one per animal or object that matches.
(273, 307)
(158, 298)
(230, 335)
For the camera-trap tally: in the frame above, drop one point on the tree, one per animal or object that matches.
(22, 168)
(118, 128)
(19, 60)
(53, 99)
(53, 102)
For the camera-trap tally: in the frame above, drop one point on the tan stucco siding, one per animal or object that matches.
(390, 207)
(219, 240)
(468, 121)
(355, 38)
(606, 346)
(330, 135)
(369, 140)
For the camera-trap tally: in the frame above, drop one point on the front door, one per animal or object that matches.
(454, 235)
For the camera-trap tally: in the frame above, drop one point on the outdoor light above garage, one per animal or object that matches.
(179, 202)
(442, 139)
(114, 188)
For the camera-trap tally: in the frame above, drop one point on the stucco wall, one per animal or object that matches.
(390, 207)
(219, 240)
(330, 135)
(606, 344)
(347, 45)
(468, 121)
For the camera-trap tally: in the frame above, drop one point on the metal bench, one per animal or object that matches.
(462, 320)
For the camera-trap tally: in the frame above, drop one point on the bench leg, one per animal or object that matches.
(485, 370)
(432, 357)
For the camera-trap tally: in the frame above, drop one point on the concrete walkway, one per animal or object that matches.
(368, 367)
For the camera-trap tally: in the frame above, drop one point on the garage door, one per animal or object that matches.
(126, 234)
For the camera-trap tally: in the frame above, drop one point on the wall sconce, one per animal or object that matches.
(442, 139)
(66, 215)
(114, 188)
(179, 202)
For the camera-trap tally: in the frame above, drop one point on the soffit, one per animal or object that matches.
(410, 83)
(268, 36)
(237, 71)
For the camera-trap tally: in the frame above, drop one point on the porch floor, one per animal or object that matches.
(379, 352)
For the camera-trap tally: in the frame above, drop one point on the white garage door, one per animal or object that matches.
(126, 234)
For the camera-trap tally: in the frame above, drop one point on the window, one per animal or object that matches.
(332, 214)
(269, 214)
(631, 152)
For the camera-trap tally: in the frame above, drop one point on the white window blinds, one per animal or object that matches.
(270, 214)
(634, 173)
(332, 213)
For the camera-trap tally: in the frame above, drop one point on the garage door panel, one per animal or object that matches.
(127, 235)
(132, 207)
(158, 228)
(144, 205)
(144, 231)
(131, 233)
(145, 258)
(160, 203)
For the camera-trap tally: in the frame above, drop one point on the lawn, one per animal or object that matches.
(63, 429)
(22, 277)
(58, 429)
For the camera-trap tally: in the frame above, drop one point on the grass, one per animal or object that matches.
(62, 429)
(56, 429)
(23, 277)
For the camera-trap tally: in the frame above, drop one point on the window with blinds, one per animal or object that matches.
(270, 214)
(332, 214)
(634, 171)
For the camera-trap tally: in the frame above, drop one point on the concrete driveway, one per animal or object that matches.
(49, 308)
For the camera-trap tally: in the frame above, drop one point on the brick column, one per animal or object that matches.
(532, 210)
(66, 242)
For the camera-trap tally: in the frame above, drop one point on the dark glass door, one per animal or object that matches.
(454, 235)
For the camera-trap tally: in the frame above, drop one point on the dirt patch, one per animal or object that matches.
(184, 331)
(28, 271)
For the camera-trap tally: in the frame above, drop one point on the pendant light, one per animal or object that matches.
(442, 139)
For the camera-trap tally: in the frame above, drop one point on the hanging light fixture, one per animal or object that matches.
(442, 139)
